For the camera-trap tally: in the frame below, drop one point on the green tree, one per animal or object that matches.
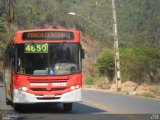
(105, 64)
(140, 64)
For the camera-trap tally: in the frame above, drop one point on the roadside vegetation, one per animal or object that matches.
(138, 64)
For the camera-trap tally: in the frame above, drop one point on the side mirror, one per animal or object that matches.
(82, 53)
(11, 51)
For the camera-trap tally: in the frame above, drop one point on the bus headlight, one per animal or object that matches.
(77, 86)
(74, 87)
(23, 88)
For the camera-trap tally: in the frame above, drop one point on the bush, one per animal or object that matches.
(2, 46)
(105, 64)
(89, 80)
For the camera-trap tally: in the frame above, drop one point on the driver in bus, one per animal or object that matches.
(27, 64)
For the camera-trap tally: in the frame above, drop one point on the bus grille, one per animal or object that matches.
(47, 80)
(48, 98)
(44, 89)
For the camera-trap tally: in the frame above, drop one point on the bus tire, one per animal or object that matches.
(16, 107)
(8, 102)
(67, 107)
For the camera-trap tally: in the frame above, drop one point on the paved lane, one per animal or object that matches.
(120, 103)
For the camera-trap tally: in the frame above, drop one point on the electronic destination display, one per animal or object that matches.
(48, 35)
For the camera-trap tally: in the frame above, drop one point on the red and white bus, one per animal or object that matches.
(43, 66)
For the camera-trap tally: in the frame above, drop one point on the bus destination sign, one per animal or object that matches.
(48, 35)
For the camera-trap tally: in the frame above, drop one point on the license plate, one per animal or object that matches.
(49, 95)
(61, 84)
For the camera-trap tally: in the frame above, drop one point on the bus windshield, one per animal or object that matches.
(48, 58)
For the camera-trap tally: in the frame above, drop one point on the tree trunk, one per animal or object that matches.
(152, 77)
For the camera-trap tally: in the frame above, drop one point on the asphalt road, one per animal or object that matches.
(121, 103)
(96, 105)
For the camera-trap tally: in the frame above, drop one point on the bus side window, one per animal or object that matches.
(21, 69)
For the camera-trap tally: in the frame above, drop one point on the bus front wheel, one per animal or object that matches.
(16, 107)
(67, 107)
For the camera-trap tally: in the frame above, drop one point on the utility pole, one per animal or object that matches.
(116, 49)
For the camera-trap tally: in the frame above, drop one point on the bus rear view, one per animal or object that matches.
(43, 66)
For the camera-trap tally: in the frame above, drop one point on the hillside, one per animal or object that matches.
(92, 49)
(138, 21)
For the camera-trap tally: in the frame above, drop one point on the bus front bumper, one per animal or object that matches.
(27, 98)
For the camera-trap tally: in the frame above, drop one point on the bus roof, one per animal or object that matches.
(34, 30)
(18, 36)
